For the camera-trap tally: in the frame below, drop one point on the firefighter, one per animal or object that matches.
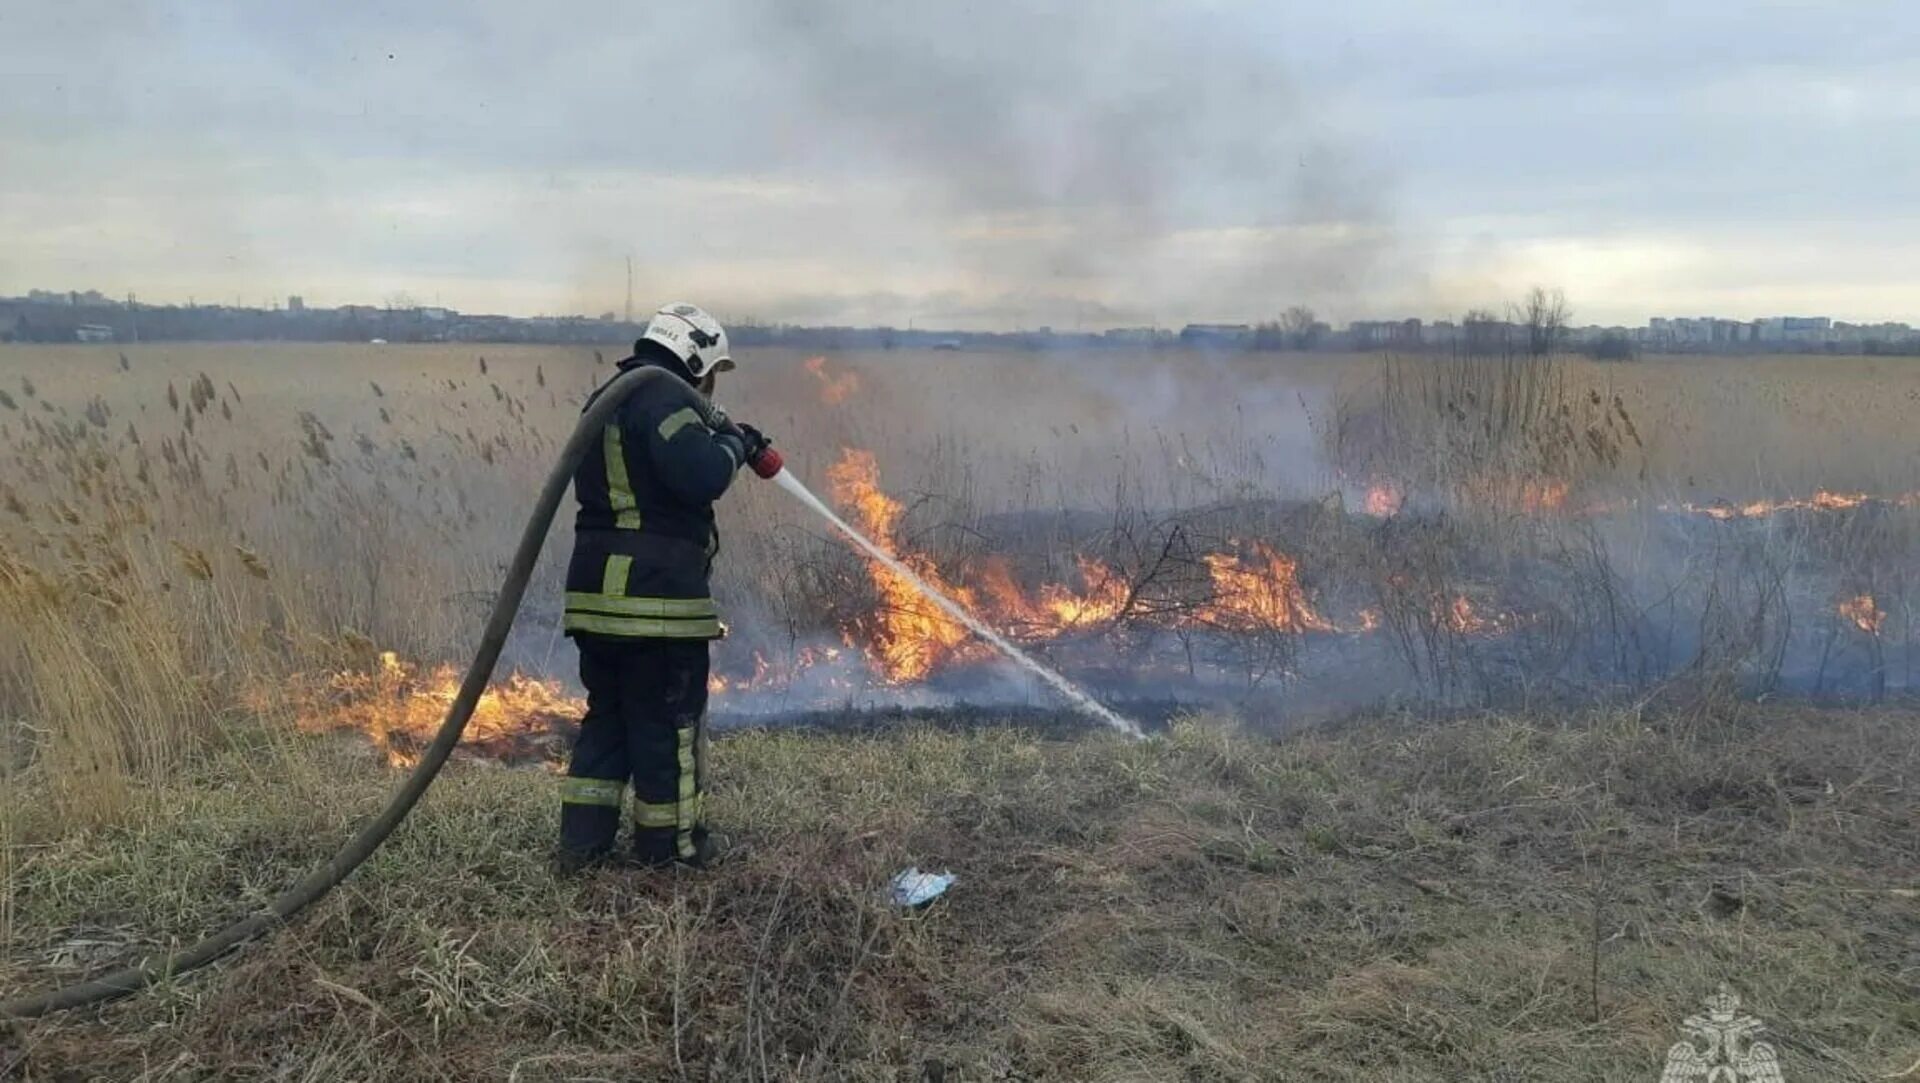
(638, 604)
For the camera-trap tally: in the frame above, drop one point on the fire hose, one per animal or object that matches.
(364, 842)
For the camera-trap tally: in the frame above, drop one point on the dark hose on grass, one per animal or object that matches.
(368, 839)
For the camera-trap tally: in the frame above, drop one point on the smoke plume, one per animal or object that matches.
(1143, 151)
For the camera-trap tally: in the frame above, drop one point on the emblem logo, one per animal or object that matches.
(1722, 1046)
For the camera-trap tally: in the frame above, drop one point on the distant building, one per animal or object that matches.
(1370, 332)
(1216, 334)
(296, 303)
(1793, 328)
(1385, 332)
(93, 332)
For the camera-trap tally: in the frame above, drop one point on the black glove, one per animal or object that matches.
(755, 440)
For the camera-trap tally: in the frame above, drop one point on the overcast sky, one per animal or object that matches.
(971, 164)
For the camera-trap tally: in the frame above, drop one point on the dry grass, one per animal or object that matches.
(183, 527)
(1724, 428)
(182, 533)
(1492, 899)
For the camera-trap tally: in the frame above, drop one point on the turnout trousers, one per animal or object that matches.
(645, 726)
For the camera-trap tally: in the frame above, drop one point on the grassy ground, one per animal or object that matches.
(1483, 899)
(184, 530)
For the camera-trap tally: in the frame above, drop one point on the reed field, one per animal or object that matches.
(186, 526)
(1610, 669)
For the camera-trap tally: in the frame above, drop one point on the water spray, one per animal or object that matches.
(1066, 688)
(766, 461)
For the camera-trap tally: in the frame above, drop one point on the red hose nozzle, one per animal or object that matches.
(767, 463)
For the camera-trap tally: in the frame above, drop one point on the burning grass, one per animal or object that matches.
(906, 636)
(189, 537)
(397, 707)
(909, 633)
(1864, 612)
(1485, 899)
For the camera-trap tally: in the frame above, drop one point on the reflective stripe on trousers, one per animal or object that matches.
(645, 725)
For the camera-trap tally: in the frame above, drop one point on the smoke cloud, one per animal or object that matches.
(1156, 151)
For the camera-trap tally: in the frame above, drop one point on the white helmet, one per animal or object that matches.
(696, 338)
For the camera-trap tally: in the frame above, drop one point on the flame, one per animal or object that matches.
(1012, 609)
(1821, 500)
(399, 707)
(910, 634)
(1531, 495)
(1864, 612)
(907, 637)
(1266, 596)
(1461, 618)
(1055, 609)
(1252, 588)
(781, 675)
(1384, 498)
(1106, 598)
(834, 389)
(1539, 495)
(1543, 495)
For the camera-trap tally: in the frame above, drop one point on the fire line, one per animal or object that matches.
(907, 575)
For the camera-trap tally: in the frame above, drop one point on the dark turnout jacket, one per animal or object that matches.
(644, 537)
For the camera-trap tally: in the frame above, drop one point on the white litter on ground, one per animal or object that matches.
(911, 887)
